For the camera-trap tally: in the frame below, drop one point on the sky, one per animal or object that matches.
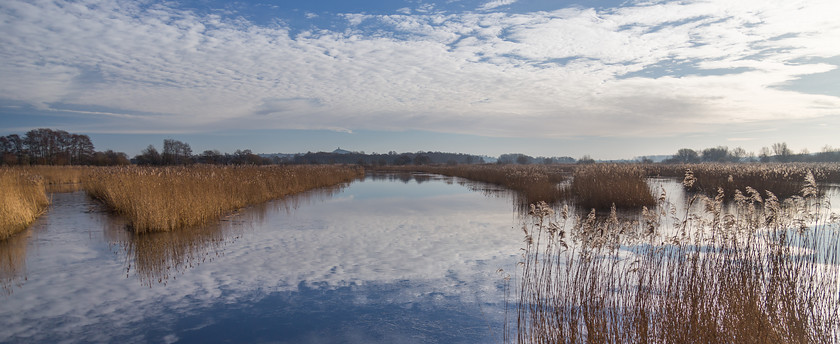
(609, 79)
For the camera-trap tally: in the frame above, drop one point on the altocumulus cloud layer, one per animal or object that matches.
(642, 69)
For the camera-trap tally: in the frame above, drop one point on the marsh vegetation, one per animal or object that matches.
(608, 256)
(756, 270)
(168, 198)
(22, 200)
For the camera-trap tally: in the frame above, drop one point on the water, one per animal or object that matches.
(399, 259)
(395, 258)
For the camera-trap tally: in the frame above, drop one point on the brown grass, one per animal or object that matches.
(761, 271)
(167, 198)
(600, 186)
(22, 200)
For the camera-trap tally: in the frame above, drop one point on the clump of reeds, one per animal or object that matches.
(763, 271)
(22, 200)
(533, 183)
(601, 186)
(167, 198)
(781, 179)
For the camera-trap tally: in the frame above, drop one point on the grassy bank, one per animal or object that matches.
(22, 200)
(167, 198)
(763, 271)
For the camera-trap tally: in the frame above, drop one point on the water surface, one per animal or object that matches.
(398, 259)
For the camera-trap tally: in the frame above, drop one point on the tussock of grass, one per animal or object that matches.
(760, 271)
(22, 200)
(600, 186)
(167, 198)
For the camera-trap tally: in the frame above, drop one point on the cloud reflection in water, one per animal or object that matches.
(396, 262)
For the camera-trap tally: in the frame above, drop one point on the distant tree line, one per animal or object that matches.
(778, 152)
(391, 158)
(522, 159)
(55, 147)
(180, 153)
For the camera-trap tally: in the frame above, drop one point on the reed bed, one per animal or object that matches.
(58, 175)
(761, 271)
(22, 200)
(601, 186)
(533, 182)
(168, 198)
(781, 179)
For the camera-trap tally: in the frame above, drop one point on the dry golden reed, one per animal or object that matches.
(782, 179)
(167, 198)
(22, 200)
(56, 175)
(601, 186)
(759, 270)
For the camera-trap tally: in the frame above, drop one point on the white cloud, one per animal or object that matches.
(544, 74)
(495, 3)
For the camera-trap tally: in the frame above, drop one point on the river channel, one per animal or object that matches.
(391, 258)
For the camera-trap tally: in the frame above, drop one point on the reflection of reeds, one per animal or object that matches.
(12, 261)
(166, 198)
(157, 257)
(22, 200)
(766, 271)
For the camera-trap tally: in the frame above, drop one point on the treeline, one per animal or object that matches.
(522, 159)
(391, 158)
(779, 152)
(180, 153)
(55, 147)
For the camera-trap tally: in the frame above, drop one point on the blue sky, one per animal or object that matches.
(612, 79)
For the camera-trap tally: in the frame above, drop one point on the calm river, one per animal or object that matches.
(397, 259)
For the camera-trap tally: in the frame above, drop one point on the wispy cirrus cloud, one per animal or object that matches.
(495, 3)
(640, 70)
